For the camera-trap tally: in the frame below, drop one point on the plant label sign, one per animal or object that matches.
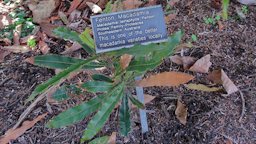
(124, 29)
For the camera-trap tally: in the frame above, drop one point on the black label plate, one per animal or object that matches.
(124, 29)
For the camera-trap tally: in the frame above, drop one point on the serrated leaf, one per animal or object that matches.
(202, 87)
(142, 50)
(104, 112)
(136, 102)
(65, 33)
(60, 94)
(97, 86)
(101, 77)
(60, 62)
(86, 38)
(124, 117)
(100, 140)
(76, 113)
(55, 79)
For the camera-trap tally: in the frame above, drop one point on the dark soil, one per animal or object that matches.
(213, 118)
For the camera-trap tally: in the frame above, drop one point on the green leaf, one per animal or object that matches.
(142, 50)
(87, 39)
(76, 113)
(60, 94)
(225, 5)
(194, 37)
(136, 102)
(108, 7)
(101, 77)
(97, 86)
(124, 117)
(65, 33)
(143, 64)
(56, 79)
(104, 112)
(62, 62)
(100, 140)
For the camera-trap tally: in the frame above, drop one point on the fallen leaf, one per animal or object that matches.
(181, 112)
(112, 138)
(16, 34)
(125, 61)
(229, 86)
(74, 5)
(47, 28)
(247, 2)
(166, 79)
(202, 87)
(63, 17)
(44, 48)
(215, 76)
(95, 8)
(220, 25)
(5, 20)
(220, 77)
(186, 61)
(216, 4)
(17, 48)
(42, 10)
(202, 65)
(131, 4)
(3, 54)
(13, 134)
(75, 46)
(74, 15)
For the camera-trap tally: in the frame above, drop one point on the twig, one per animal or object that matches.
(30, 108)
(243, 106)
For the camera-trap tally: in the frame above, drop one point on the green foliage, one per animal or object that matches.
(104, 112)
(212, 20)
(62, 62)
(225, 5)
(101, 77)
(136, 102)
(97, 86)
(245, 9)
(76, 113)
(113, 89)
(108, 7)
(19, 18)
(193, 37)
(125, 123)
(31, 42)
(65, 33)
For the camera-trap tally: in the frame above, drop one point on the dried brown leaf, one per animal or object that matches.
(44, 48)
(13, 134)
(229, 86)
(17, 48)
(30, 60)
(202, 87)
(74, 5)
(220, 77)
(5, 20)
(202, 65)
(215, 76)
(95, 8)
(112, 138)
(125, 61)
(170, 17)
(147, 99)
(186, 61)
(131, 4)
(47, 28)
(166, 79)
(42, 9)
(75, 46)
(16, 34)
(181, 112)
(3, 54)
